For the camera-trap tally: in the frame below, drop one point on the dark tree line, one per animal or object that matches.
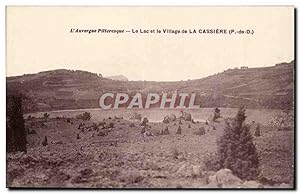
(15, 126)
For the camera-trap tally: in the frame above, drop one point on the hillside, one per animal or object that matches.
(266, 87)
(118, 78)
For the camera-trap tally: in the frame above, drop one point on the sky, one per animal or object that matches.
(39, 39)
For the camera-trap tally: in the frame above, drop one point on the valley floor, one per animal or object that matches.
(87, 154)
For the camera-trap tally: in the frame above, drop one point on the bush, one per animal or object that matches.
(200, 131)
(216, 115)
(46, 115)
(165, 131)
(166, 120)
(110, 125)
(179, 130)
(145, 121)
(86, 116)
(186, 116)
(45, 141)
(32, 131)
(257, 131)
(175, 153)
(131, 125)
(236, 150)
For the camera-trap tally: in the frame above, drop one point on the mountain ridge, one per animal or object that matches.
(266, 87)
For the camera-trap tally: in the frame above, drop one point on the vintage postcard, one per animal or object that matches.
(150, 97)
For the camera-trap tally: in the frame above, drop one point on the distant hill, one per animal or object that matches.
(118, 78)
(266, 87)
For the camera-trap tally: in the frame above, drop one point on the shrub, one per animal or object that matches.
(216, 115)
(86, 116)
(165, 131)
(131, 125)
(110, 125)
(32, 131)
(175, 153)
(46, 115)
(236, 150)
(143, 130)
(45, 141)
(145, 121)
(257, 131)
(200, 131)
(166, 120)
(102, 133)
(286, 128)
(186, 116)
(179, 130)
(180, 123)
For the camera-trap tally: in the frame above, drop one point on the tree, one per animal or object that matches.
(236, 150)
(15, 126)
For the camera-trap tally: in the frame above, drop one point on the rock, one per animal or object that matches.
(197, 170)
(186, 116)
(86, 172)
(185, 170)
(83, 175)
(166, 119)
(28, 161)
(172, 117)
(224, 179)
(131, 177)
(62, 176)
(14, 171)
(252, 184)
(284, 185)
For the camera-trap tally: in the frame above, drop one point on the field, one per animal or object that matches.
(110, 151)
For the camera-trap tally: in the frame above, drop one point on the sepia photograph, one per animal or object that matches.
(150, 97)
